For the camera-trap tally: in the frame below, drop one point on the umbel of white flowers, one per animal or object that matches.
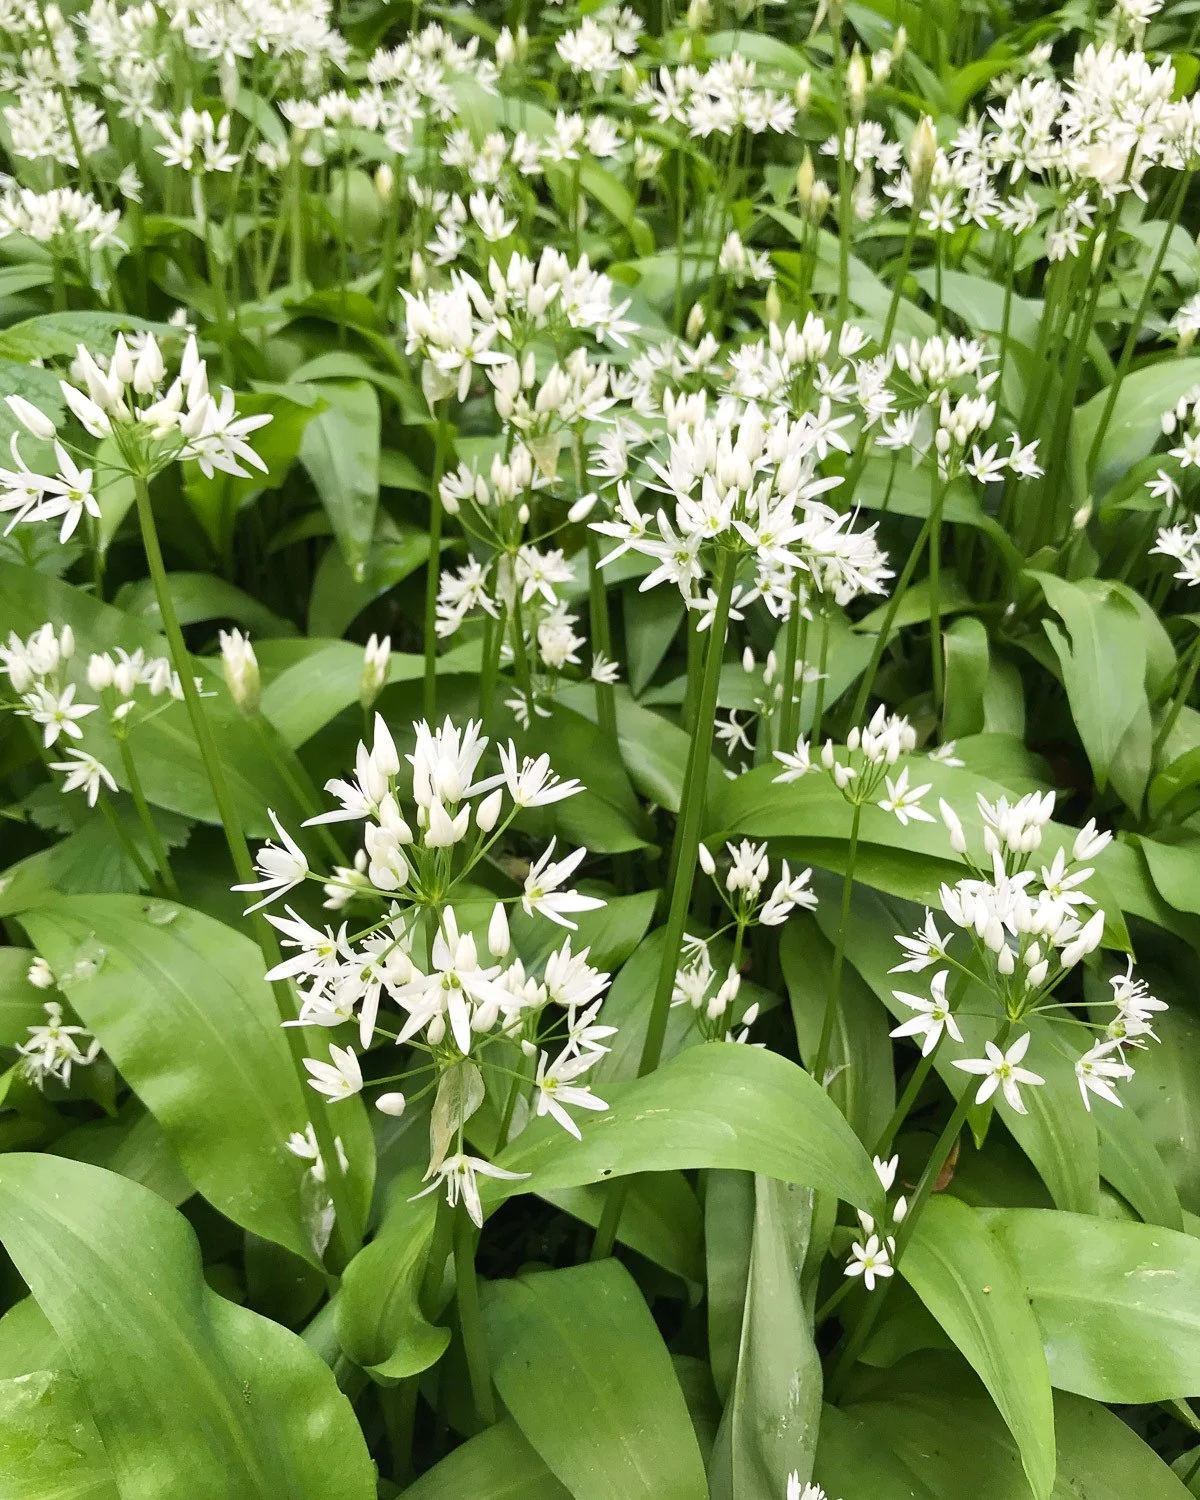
(461, 997)
(153, 421)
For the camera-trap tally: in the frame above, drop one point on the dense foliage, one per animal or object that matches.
(601, 873)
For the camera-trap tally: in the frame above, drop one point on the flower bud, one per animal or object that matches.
(376, 656)
(240, 666)
(498, 937)
(774, 308)
(922, 156)
(391, 1104)
(33, 420)
(385, 182)
(100, 672)
(802, 93)
(856, 84)
(707, 863)
(806, 176)
(695, 322)
(488, 811)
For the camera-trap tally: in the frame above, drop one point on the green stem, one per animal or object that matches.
(122, 835)
(606, 703)
(433, 572)
(691, 815)
(940, 1155)
(1139, 318)
(905, 256)
(834, 998)
(1182, 693)
(345, 1235)
(787, 681)
(493, 640)
(469, 1320)
(684, 848)
(157, 848)
(822, 664)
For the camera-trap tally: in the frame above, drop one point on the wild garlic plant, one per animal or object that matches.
(466, 1016)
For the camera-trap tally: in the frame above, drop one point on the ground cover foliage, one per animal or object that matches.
(601, 879)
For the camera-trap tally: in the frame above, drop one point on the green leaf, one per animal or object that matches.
(927, 1431)
(179, 1004)
(771, 1418)
(58, 335)
(582, 1368)
(199, 597)
(135, 1145)
(340, 450)
(168, 761)
(305, 696)
(177, 1381)
(1103, 661)
(716, 1105)
(1118, 1304)
(967, 667)
(340, 593)
(1164, 1091)
(379, 1320)
(49, 1446)
(1135, 425)
(972, 1288)
(864, 1082)
(497, 1465)
(21, 1003)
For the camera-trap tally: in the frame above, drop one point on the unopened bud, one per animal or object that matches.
(391, 1104)
(806, 176)
(385, 184)
(376, 656)
(707, 863)
(774, 303)
(922, 156)
(695, 322)
(499, 940)
(240, 666)
(856, 84)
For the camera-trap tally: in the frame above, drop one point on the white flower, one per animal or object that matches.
(338, 1078)
(57, 713)
(84, 771)
(556, 1088)
(1000, 1070)
(796, 763)
(792, 891)
(280, 868)
(541, 893)
(926, 946)
(459, 1172)
(869, 1261)
(240, 668)
(532, 783)
(904, 800)
(932, 1016)
(1098, 1069)
(51, 1050)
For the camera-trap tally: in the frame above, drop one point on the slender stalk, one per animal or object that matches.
(433, 571)
(789, 708)
(469, 1320)
(935, 600)
(691, 815)
(123, 838)
(910, 237)
(1187, 680)
(158, 849)
(680, 223)
(834, 998)
(606, 703)
(1138, 320)
(684, 848)
(345, 1235)
(822, 664)
(493, 640)
(854, 1343)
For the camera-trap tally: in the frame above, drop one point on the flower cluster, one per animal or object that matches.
(465, 998)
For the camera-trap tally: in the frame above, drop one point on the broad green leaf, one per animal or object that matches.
(199, 597)
(177, 1381)
(860, 1061)
(49, 1446)
(168, 761)
(1103, 661)
(497, 1465)
(927, 1431)
(967, 667)
(305, 696)
(582, 1368)
(1164, 1091)
(729, 1202)
(379, 1320)
(1118, 1304)
(661, 1219)
(769, 1428)
(1135, 425)
(58, 335)
(340, 593)
(972, 1288)
(716, 1105)
(135, 1145)
(1130, 1163)
(179, 1004)
(340, 450)
(651, 623)
(21, 1003)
